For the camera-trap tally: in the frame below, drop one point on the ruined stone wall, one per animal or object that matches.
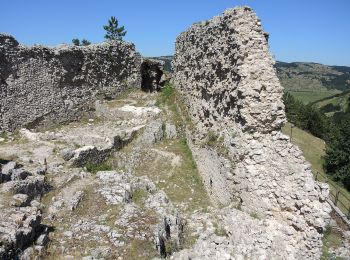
(226, 65)
(224, 72)
(39, 85)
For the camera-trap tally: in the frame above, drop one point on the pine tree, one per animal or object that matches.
(76, 42)
(85, 42)
(337, 159)
(113, 32)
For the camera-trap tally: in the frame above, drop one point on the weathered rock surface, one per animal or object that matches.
(41, 85)
(110, 207)
(20, 216)
(19, 228)
(225, 74)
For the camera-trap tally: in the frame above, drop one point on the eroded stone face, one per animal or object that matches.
(40, 85)
(224, 72)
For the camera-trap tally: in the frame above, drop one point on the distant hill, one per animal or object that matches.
(167, 60)
(302, 76)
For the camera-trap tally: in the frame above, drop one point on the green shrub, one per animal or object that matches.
(254, 215)
(94, 168)
(138, 195)
(212, 138)
(219, 230)
(166, 95)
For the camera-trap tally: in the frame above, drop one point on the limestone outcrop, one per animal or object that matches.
(94, 212)
(20, 213)
(225, 75)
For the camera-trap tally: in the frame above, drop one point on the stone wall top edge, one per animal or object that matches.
(65, 46)
(215, 19)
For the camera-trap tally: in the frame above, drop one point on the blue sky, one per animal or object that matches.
(300, 30)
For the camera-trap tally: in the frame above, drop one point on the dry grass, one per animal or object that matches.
(332, 238)
(182, 183)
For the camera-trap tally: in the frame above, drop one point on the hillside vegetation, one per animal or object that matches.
(334, 105)
(167, 62)
(306, 80)
(311, 96)
(302, 76)
(333, 129)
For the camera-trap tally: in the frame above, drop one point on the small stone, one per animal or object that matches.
(68, 233)
(20, 200)
(7, 169)
(170, 131)
(27, 254)
(42, 240)
(19, 174)
(67, 153)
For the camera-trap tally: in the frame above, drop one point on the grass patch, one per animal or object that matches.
(254, 215)
(168, 101)
(340, 103)
(12, 138)
(217, 143)
(313, 148)
(212, 138)
(171, 247)
(182, 182)
(189, 239)
(94, 168)
(171, 101)
(312, 96)
(166, 95)
(4, 135)
(138, 196)
(331, 238)
(141, 249)
(219, 230)
(182, 147)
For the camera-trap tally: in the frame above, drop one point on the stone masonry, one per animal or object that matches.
(40, 85)
(224, 72)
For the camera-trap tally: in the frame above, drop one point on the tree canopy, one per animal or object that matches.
(113, 31)
(76, 42)
(83, 42)
(335, 131)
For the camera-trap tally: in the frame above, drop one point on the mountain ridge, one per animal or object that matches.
(302, 76)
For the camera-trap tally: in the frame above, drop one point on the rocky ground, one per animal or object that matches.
(117, 185)
(120, 184)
